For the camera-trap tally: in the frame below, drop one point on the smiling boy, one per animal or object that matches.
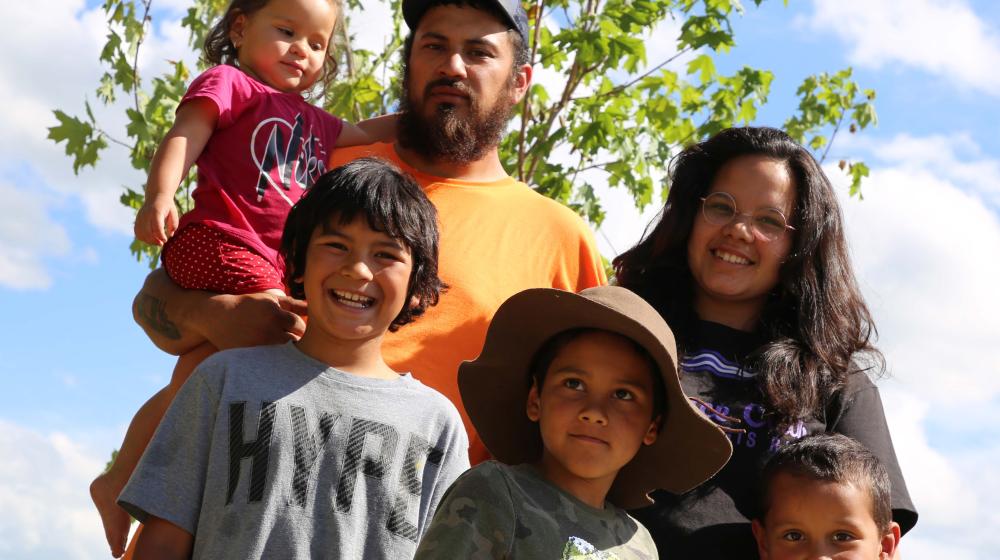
(315, 448)
(577, 397)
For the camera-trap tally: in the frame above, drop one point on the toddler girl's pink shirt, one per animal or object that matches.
(267, 148)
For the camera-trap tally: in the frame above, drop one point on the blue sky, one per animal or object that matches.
(925, 243)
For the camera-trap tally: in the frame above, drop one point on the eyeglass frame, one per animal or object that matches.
(737, 214)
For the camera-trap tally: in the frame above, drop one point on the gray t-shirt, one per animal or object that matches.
(268, 453)
(496, 511)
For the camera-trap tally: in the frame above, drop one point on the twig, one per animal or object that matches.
(832, 137)
(623, 87)
(135, 58)
(113, 139)
(526, 110)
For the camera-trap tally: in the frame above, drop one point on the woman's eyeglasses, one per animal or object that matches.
(719, 208)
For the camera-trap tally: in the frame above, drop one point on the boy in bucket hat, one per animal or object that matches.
(577, 398)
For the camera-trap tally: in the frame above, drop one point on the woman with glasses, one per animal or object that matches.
(749, 265)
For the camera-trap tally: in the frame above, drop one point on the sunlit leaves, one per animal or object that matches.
(617, 112)
(83, 143)
(826, 102)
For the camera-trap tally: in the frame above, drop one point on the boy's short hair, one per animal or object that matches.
(391, 202)
(549, 349)
(832, 458)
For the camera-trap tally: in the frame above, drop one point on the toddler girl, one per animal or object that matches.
(258, 145)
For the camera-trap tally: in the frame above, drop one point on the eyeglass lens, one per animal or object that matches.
(720, 209)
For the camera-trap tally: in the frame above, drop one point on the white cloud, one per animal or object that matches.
(953, 484)
(31, 99)
(955, 158)
(922, 242)
(942, 37)
(28, 236)
(43, 494)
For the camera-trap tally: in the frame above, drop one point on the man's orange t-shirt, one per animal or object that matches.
(497, 238)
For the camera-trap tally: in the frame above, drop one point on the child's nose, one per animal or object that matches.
(357, 268)
(594, 413)
(819, 551)
(298, 48)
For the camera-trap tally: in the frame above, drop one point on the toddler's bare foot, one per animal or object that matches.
(116, 520)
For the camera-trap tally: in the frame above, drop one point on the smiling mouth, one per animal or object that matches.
(351, 299)
(730, 258)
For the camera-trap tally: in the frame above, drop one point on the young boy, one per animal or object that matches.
(825, 496)
(577, 397)
(314, 448)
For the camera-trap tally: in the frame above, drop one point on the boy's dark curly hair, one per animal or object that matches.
(391, 202)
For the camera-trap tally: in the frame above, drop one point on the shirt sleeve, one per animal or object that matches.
(591, 263)
(861, 417)
(576, 264)
(169, 480)
(225, 86)
(454, 462)
(475, 519)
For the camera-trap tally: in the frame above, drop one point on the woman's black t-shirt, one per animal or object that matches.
(713, 520)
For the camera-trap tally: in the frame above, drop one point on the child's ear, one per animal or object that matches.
(534, 406)
(414, 301)
(653, 432)
(236, 30)
(890, 542)
(761, 535)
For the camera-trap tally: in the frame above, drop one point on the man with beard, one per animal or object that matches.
(465, 68)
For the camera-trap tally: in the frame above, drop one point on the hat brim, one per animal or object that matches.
(690, 448)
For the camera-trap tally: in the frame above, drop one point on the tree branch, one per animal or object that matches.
(576, 75)
(135, 58)
(829, 144)
(623, 87)
(526, 109)
(112, 139)
(349, 58)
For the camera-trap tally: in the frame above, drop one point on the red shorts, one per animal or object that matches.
(202, 257)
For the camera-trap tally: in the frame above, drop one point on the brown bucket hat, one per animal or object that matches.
(690, 447)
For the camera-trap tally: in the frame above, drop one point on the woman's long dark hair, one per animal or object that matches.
(816, 322)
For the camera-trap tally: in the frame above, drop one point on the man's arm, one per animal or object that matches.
(162, 540)
(178, 320)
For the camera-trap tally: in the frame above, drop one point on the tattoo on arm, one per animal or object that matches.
(153, 313)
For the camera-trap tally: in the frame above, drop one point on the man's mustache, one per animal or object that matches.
(449, 83)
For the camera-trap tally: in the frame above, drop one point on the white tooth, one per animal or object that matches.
(730, 258)
(352, 298)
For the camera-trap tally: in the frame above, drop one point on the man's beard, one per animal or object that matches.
(447, 136)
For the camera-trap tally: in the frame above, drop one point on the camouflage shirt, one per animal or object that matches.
(499, 511)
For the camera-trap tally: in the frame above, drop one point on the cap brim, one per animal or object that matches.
(413, 10)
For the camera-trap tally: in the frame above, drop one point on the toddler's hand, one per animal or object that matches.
(156, 220)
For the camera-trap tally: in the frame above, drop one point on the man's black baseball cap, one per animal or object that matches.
(413, 10)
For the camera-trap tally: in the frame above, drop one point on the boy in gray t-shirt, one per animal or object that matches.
(577, 397)
(314, 449)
